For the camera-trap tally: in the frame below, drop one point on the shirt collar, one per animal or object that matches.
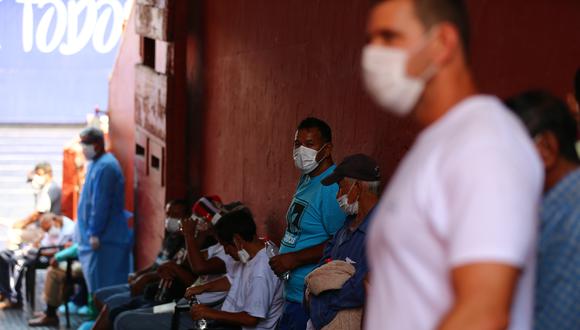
(307, 179)
(365, 224)
(568, 183)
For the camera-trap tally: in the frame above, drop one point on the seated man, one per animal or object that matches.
(166, 264)
(254, 300)
(47, 198)
(206, 264)
(54, 286)
(57, 230)
(330, 304)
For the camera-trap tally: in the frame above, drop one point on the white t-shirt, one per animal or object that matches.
(214, 251)
(467, 192)
(256, 290)
(65, 235)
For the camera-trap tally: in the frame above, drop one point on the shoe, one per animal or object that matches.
(38, 314)
(44, 321)
(87, 325)
(84, 310)
(11, 305)
(72, 308)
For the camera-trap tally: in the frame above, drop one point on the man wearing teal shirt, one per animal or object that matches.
(312, 218)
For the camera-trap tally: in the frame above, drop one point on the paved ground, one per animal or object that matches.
(21, 147)
(17, 319)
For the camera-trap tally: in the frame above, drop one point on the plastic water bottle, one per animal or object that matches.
(201, 323)
(272, 250)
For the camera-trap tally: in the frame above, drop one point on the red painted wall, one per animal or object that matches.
(121, 107)
(268, 64)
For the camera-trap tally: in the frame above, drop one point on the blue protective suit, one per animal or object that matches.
(101, 214)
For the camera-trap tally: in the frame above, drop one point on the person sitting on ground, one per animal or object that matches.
(554, 131)
(208, 264)
(254, 299)
(57, 230)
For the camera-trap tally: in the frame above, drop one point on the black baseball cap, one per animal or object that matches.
(359, 167)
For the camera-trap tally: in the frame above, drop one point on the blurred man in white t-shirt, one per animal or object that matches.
(452, 242)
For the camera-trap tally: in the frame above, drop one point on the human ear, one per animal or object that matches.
(548, 148)
(446, 44)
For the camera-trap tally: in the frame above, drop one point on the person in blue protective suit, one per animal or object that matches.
(104, 240)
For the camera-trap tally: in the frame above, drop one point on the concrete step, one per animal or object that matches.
(21, 147)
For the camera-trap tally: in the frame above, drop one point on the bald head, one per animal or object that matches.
(47, 220)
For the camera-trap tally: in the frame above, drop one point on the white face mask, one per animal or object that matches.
(305, 159)
(89, 151)
(54, 231)
(244, 256)
(37, 182)
(386, 80)
(172, 225)
(349, 209)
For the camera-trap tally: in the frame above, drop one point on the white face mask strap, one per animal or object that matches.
(431, 69)
(319, 150)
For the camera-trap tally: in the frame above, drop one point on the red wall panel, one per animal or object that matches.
(268, 64)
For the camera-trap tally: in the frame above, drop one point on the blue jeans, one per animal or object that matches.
(294, 317)
(107, 292)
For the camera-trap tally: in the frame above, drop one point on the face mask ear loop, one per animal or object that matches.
(349, 190)
(432, 69)
(322, 148)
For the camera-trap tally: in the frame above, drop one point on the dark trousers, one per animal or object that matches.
(294, 317)
(8, 269)
(5, 270)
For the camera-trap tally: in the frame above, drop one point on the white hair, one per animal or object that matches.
(372, 186)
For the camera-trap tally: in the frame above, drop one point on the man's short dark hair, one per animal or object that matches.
(433, 12)
(93, 135)
(239, 221)
(321, 125)
(45, 166)
(577, 85)
(542, 112)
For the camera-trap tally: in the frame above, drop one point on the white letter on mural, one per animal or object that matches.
(42, 42)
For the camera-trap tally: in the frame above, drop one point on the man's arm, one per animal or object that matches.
(199, 264)
(138, 285)
(171, 270)
(32, 217)
(101, 200)
(483, 297)
(241, 318)
(289, 261)
(220, 285)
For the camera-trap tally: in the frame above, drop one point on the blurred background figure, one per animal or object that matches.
(554, 131)
(104, 237)
(47, 198)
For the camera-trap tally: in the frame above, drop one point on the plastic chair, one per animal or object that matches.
(30, 272)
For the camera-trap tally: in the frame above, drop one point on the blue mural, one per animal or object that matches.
(56, 57)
